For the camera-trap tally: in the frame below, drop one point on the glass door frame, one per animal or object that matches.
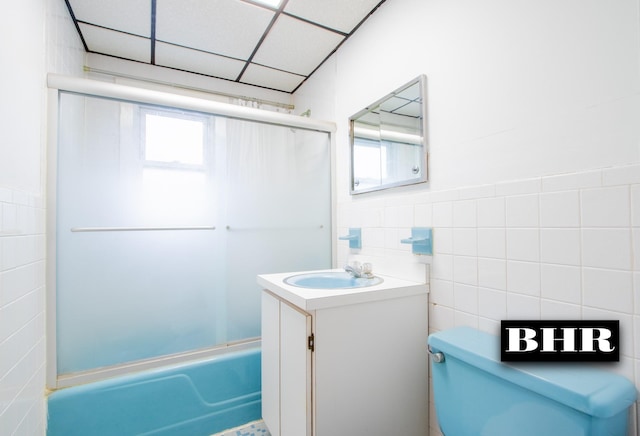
(93, 88)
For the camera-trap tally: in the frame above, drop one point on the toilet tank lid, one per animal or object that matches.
(595, 392)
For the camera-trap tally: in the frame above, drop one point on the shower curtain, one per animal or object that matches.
(159, 239)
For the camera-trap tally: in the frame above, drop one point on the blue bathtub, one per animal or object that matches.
(191, 399)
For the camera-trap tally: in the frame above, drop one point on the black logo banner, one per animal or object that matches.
(560, 341)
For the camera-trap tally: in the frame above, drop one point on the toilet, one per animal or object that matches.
(475, 394)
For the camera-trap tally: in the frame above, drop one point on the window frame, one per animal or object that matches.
(169, 113)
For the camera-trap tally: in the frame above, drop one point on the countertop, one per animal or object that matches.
(309, 299)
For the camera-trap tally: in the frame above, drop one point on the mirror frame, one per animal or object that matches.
(424, 177)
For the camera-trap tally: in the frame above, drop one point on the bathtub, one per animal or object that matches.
(192, 399)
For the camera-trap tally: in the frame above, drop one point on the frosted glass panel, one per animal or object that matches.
(141, 271)
(278, 199)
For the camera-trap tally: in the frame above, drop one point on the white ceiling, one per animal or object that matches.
(239, 40)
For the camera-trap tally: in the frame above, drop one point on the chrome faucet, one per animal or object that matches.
(359, 271)
(355, 270)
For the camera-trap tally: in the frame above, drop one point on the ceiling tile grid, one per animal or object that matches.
(274, 47)
(186, 59)
(118, 44)
(224, 27)
(130, 16)
(295, 46)
(340, 15)
(271, 78)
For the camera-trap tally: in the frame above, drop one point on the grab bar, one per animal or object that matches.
(285, 228)
(136, 229)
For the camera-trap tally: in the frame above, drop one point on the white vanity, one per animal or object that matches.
(347, 361)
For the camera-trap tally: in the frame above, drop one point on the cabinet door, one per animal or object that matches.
(271, 363)
(295, 372)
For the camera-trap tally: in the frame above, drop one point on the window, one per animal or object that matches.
(173, 139)
(175, 163)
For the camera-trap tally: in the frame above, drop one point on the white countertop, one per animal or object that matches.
(312, 299)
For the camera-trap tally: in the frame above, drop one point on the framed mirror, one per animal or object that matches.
(388, 140)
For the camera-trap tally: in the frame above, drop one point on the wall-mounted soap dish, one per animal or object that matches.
(354, 237)
(421, 240)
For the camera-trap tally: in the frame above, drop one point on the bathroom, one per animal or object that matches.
(534, 165)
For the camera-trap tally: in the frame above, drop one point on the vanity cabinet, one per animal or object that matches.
(341, 363)
(286, 367)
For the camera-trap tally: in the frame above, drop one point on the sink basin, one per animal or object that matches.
(331, 280)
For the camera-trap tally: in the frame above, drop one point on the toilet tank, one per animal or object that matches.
(475, 394)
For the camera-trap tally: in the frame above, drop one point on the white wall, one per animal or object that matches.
(37, 36)
(516, 89)
(534, 144)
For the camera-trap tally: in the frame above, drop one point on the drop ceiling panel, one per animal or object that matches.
(337, 14)
(270, 78)
(239, 40)
(118, 44)
(295, 46)
(225, 27)
(188, 59)
(132, 16)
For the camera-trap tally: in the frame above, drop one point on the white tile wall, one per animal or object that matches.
(492, 242)
(482, 138)
(22, 224)
(560, 209)
(464, 214)
(557, 247)
(492, 273)
(523, 277)
(22, 332)
(522, 211)
(465, 241)
(523, 244)
(560, 246)
(607, 289)
(561, 282)
(635, 205)
(465, 270)
(443, 241)
(491, 212)
(465, 298)
(605, 207)
(607, 248)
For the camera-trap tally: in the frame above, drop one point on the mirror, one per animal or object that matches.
(388, 140)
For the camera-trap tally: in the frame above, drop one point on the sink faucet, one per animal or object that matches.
(359, 271)
(355, 270)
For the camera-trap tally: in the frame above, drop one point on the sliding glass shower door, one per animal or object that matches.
(165, 217)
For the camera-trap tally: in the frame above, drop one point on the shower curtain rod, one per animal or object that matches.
(123, 92)
(88, 69)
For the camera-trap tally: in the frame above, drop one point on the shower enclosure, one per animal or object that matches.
(164, 215)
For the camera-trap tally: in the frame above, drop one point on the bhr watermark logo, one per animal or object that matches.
(560, 341)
